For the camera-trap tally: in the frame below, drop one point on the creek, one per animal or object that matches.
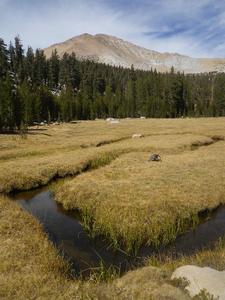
(85, 254)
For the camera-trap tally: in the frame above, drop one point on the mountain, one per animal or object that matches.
(114, 51)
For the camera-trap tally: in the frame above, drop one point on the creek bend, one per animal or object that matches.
(66, 232)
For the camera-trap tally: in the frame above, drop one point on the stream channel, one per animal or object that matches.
(65, 230)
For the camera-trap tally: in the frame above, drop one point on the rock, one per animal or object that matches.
(202, 279)
(137, 135)
(114, 121)
(154, 157)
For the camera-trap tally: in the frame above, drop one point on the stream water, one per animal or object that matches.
(85, 254)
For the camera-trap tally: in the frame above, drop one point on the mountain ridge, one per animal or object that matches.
(115, 51)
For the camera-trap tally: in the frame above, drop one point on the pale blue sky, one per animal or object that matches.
(191, 27)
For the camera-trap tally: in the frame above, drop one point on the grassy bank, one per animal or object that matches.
(30, 171)
(134, 202)
(129, 200)
(30, 267)
(214, 258)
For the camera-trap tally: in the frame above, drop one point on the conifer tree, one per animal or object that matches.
(34, 88)
(4, 59)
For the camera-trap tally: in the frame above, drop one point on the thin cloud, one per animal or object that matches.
(191, 27)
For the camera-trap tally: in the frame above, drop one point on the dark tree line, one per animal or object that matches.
(34, 89)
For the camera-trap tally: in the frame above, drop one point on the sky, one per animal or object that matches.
(192, 27)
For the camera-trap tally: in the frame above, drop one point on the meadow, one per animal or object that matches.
(34, 159)
(120, 195)
(135, 202)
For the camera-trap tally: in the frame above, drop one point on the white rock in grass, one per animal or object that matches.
(202, 279)
(114, 121)
(137, 135)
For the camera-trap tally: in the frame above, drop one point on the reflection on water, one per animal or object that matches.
(66, 232)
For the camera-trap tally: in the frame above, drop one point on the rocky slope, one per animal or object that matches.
(114, 51)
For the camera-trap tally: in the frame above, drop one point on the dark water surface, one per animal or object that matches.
(66, 232)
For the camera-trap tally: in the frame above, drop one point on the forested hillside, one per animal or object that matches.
(36, 89)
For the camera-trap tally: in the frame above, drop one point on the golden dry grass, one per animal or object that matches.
(67, 149)
(130, 200)
(147, 283)
(48, 139)
(30, 267)
(133, 201)
(214, 258)
(154, 280)
(27, 172)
